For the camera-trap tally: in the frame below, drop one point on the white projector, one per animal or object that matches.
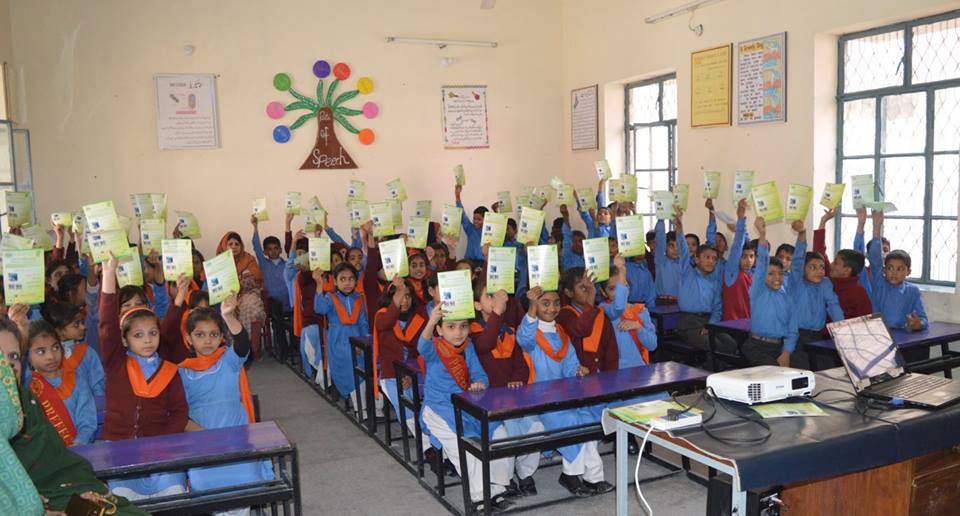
(761, 384)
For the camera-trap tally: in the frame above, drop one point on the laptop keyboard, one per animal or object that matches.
(910, 386)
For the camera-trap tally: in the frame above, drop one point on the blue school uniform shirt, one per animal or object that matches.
(161, 299)
(438, 385)
(772, 312)
(668, 270)
(338, 336)
(569, 258)
(699, 292)
(642, 287)
(92, 321)
(90, 368)
(813, 302)
(893, 302)
(82, 408)
(730, 267)
(273, 278)
(859, 246)
(629, 354)
(474, 250)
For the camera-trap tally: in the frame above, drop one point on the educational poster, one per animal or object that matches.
(710, 85)
(187, 112)
(584, 121)
(465, 117)
(326, 108)
(762, 79)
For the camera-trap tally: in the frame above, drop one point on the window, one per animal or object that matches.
(650, 133)
(898, 118)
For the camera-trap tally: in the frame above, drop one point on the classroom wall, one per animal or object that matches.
(88, 69)
(606, 42)
(6, 44)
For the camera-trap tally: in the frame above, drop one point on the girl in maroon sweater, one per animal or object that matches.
(590, 331)
(144, 394)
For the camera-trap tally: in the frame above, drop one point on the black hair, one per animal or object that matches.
(751, 245)
(694, 237)
(671, 236)
(512, 224)
(812, 255)
(205, 313)
(302, 245)
(387, 297)
(557, 224)
(651, 236)
(724, 237)
(129, 292)
(775, 262)
(432, 281)
(56, 264)
(883, 240)
(137, 314)
(60, 315)
(6, 325)
(271, 240)
(352, 249)
(67, 284)
(480, 210)
(38, 328)
(194, 297)
(570, 278)
(418, 254)
(785, 247)
(345, 266)
(702, 248)
(852, 259)
(195, 253)
(897, 254)
(479, 285)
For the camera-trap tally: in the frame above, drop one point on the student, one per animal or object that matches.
(571, 254)
(635, 332)
(693, 243)
(506, 365)
(345, 318)
(773, 327)
(54, 271)
(700, 299)
(71, 329)
(897, 300)
(845, 270)
(452, 366)
(272, 264)
(587, 325)
(548, 345)
(471, 228)
(650, 256)
(642, 287)
(785, 253)
(396, 331)
(738, 270)
(667, 264)
(65, 396)
(813, 297)
(719, 240)
(145, 395)
(217, 391)
(418, 270)
(440, 260)
(19, 495)
(306, 322)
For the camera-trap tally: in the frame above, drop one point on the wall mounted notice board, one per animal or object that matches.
(584, 119)
(187, 111)
(762, 79)
(711, 73)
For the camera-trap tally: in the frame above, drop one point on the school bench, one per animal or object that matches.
(179, 452)
(499, 404)
(848, 462)
(937, 334)
(669, 347)
(739, 331)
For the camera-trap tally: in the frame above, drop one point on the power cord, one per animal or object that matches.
(711, 397)
(636, 472)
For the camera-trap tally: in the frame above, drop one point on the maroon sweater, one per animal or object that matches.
(129, 416)
(854, 300)
(391, 348)
(736, 297)
(500, 371)
(578, 327)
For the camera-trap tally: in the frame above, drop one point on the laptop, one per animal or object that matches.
(876, 367)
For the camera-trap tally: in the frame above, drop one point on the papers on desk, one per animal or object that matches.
(775, 410)
(642, 413)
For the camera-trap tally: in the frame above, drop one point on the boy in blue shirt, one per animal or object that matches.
(773, 325)
(572, 250)
(272, 263)
(813, 296)
(667, 260)
(897, 300)
(471, 228)
(700, 286)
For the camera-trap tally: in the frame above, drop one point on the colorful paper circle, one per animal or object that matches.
(364, 85)
(371, 109)
(366, 136)
(281, 81)
(281, 134)
(321, 69)
(275, 110)
(341, 71)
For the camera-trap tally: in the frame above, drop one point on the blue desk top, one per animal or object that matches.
(936, 333)
(151, 453)
(101, 403)
(661, 310)
(502, 402)
(739, 325)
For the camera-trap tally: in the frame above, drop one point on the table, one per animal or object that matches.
(502, 403)
(842, 443)
(665, 317)
(937, 333)
(178, 452)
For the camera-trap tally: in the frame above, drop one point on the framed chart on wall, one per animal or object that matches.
(762, 79)
(187, 111)
(711, 82)
(584, 119)
(465, 117)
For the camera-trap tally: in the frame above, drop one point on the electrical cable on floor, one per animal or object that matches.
(636, 472)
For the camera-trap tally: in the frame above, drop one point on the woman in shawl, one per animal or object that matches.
(250, 308)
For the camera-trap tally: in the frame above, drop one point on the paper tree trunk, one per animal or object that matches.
(327, 152)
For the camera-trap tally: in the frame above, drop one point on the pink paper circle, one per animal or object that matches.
(275, 110)
(371, 110)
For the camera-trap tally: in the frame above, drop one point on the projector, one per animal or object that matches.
(761, 384)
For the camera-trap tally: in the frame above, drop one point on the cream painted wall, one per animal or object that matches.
(606, 42)
(88, 69)
(6, 44)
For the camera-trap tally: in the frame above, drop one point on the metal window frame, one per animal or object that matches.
(629, 131)
(930, 89)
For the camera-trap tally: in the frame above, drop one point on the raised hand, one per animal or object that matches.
(828, 215)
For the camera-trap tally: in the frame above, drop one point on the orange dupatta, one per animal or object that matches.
(403, 335)
(72, 363)
(244, 260)
(453, 359)
(504, 348)
(632, 313)
(591, 343)
(297, 308)
(51, 400)
(351, 319)
(159, 382)
(206, 362)
(548, 349)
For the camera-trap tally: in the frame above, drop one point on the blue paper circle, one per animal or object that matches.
(281, 134)
(321, 69)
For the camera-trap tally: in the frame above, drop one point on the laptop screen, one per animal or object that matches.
(867, 349)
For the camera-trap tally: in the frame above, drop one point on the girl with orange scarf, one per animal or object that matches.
(217, 391)
(65, 396)
(250, 308)
(636, 334)
(345, 318)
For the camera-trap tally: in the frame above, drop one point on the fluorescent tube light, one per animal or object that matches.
(442, 43)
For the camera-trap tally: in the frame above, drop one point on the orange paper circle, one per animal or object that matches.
(366, 136)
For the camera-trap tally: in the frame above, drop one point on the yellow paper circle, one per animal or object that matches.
(364, 85)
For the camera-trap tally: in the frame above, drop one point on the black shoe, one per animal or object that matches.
(451, 470)
(512, 490)
(497, 504)
(632, 447)
(598, 487)
(573, 484)
(430, 457)
(527, 486)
